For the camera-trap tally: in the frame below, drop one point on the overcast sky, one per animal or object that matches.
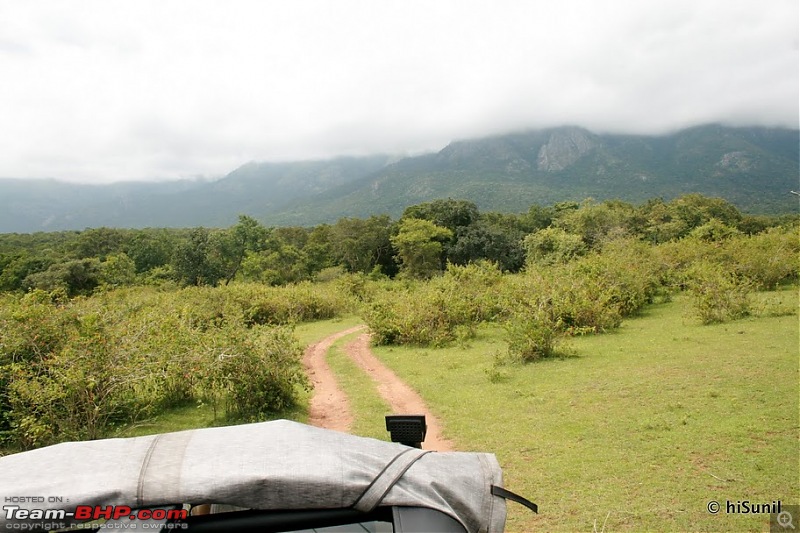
(112, 90)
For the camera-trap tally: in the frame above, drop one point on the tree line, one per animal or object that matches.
(426, 238)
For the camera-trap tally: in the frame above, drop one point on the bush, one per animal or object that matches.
(552, 246)
(256, 372)
(439, 311)
(79, 369)
(530, 336)
(767, 259)
(419, 317)
(76, 391)
(719, 295)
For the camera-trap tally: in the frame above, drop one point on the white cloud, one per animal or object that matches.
(110, 90)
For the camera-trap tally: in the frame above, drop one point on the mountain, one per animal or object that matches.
(254, 188)
(754, 168)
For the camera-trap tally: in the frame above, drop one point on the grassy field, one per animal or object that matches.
(635, 430)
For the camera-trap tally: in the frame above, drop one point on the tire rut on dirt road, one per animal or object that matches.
(401, 398)
(329, 407)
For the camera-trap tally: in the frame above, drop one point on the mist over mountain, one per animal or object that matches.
(754, 168)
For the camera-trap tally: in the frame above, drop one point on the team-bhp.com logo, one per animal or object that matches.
(93, 512)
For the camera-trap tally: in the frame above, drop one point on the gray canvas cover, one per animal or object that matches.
(269, 465)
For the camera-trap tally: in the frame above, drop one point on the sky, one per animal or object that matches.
(113, 90)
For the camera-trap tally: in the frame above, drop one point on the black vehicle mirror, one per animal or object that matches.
(407, 429)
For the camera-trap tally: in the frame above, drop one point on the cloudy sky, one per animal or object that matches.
(111, 90)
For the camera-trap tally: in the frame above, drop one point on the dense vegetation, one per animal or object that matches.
(103, 327)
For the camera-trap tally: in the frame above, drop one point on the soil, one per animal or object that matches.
(329, 406)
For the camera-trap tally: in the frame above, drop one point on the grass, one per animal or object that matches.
(640, 429)
(367, 405)
(635, 430)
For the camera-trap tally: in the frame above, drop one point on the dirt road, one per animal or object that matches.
(330, 407)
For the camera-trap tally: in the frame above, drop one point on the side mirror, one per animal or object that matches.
(407, 429)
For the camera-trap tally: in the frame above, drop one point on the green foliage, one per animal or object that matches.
(767, 259)
(436, 312)
(360, 245)
(257, 373)
(195, 260)
(662, 222)
(419, 247)
(15, 267)
(593, 222)
(117, 271)
(719, 295)
(75, 277)
(78, 369)
(279, 265)
(482, 241)
(288, 305)
(714, 230)
(531, 336)
(449, 213)
(553, 245)
(150, 249)
(99, 243)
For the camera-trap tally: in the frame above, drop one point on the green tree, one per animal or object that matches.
(318, 248)
(15, 267)
(230, 247)
(359, 245)
(117, 271)
(99, 243)
(419, 246)
(193, 263)
(150, 249)
(482, 241)
(663, 222)
(449, 213)
(553, 245)
(76, 277)
(593, 222)
(277, 266)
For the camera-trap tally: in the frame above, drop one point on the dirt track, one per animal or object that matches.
(330, 407)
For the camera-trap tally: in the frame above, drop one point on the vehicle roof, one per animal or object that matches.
(269, 465)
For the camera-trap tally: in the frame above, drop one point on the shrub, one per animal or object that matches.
(79, 369)
(411, 318)
(767, 259)
(530, 336)
(439, 311)
(553, 245)
(256, 372)
(719, 295)
(77, 391)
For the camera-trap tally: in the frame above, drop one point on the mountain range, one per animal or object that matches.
(753, 168)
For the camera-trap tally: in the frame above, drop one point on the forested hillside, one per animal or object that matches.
(753, 168)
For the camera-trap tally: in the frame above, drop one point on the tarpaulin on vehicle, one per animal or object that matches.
(269, 465)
